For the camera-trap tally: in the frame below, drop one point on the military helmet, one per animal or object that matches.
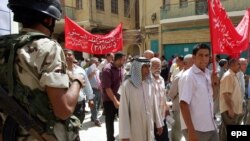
(51, 8)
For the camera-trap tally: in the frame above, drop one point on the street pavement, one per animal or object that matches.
(91, 132)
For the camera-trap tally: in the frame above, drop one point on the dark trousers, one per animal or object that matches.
(110, 112)
(1, 125)
(226, 120)
(80, 111)
(164, 135)
(97, 103)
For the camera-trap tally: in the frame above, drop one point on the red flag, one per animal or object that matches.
(77, 38)
(225, 38)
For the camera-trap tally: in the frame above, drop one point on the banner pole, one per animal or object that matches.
(211, 33)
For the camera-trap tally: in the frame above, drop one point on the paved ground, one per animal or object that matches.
(94, 133)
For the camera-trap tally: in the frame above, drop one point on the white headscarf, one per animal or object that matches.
(136, 76)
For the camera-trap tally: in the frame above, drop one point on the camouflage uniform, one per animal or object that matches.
(41, 64)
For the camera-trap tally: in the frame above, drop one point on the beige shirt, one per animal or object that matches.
(159, 88)
(174, 70)
(42, 63)
(230, 84)
(174, 92)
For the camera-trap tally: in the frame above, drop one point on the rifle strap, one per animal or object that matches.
(23, 39)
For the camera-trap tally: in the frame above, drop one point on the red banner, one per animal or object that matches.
(225, 38)
(77, 38)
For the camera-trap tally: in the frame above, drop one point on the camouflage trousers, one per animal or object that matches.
(63, 135)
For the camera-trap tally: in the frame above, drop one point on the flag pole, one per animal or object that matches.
(211, 34)
(214, 77)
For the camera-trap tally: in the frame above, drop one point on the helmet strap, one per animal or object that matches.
(50, 26)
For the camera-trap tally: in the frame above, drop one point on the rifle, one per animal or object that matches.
(10, 107)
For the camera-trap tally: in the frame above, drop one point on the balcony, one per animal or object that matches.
(199, 7)
(69, 12)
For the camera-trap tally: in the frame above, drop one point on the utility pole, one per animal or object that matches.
(142, 24)
(90, 11)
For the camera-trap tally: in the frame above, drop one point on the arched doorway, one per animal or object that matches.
(133, 50)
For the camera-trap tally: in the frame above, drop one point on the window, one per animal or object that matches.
(183, 3)
(166, 4)
(78, 4)
(100, 5)
(114, 6)
(126, 8)
(201, 7)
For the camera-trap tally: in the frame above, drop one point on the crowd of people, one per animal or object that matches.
(191, 93)
(136, 90)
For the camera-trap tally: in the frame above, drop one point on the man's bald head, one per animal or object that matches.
(243, 64)
(149, 54)
(188, 61)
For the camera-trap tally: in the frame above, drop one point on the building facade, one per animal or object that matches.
(102, 16)
(150, 24)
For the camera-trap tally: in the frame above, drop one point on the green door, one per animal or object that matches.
(155, 46)
(178, 49)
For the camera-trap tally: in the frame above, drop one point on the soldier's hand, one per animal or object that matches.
(91, 104)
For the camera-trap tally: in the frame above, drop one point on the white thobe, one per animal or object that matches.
(137, 112)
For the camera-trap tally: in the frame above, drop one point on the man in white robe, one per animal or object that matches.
(138, 107)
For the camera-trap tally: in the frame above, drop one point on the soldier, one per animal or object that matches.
(40, 65)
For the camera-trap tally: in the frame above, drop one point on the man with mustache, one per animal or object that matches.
(196, 98)
(159, 88)
(138, 109)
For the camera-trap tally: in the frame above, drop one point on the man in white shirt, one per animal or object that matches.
(94, 79)
(242, 79)
(241, 74)
(196, 98)
(87, 91)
